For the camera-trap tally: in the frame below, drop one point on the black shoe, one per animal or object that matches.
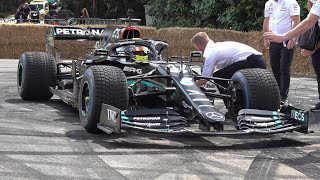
(316, 107)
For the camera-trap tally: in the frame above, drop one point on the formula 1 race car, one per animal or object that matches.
(116, 88)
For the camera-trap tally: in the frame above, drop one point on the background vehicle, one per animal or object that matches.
(59, 16)
(35, 13)
(112, 89)
(39, 5)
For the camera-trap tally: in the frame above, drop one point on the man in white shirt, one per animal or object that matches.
(280, 17)
(315, 58)
(223, 59)
(305, 25)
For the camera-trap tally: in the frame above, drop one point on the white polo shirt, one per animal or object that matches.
(222, 54)
(280, 13)
(315, 9)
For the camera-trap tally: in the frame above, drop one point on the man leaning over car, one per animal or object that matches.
(223, 59)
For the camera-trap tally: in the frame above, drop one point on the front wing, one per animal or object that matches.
(166, 121)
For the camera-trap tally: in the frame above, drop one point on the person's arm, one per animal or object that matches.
(302, 27)
(295, 17)
(305, 52)
(309, 5)
(292, 41)
(29, 14)
(266, 23)
(266, 29)
(295, 32)
(208, 67)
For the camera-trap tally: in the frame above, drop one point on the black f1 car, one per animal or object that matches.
(115, 90)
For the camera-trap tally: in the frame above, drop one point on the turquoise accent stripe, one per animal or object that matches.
(124, 118)
(275, 113)
(278, 121)
(275, 117)
(131, 82)
(122, 113)
(147, 83)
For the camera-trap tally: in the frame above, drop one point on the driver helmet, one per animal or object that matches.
(140, 53)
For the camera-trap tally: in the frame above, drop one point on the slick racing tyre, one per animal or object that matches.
(101, 84)
(253, 89)
(36, 73)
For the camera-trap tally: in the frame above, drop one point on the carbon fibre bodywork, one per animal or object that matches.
(161, 95)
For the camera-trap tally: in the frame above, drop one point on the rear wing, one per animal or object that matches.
(103, 35)
(70, 33)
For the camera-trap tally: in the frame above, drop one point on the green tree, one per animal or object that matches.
(241, 15)
(107, 8)
(9, 7)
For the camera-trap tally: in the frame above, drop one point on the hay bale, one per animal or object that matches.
(148, 32)
(16, 39)
(300, 65)
(179, 39)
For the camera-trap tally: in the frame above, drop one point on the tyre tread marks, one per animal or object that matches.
(264, 95)
(40, 74)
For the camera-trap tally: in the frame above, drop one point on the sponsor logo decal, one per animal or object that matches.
(187, 81)
(186, 105)
(213, 115)
(111, 115)
(146, 124)
(132, 69)
(298, 115)
(78, 31)
(146, 118)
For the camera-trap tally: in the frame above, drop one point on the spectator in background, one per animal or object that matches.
(280, 17)
(84, 13)
(23, 13)
(315, 58)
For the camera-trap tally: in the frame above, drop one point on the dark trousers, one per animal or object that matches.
(252, 61)
(280, 60)
(316, 65)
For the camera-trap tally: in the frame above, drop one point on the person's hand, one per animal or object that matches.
(306, 53)
(201, 82)
(266, 43)
(291, 44)
(272, 37)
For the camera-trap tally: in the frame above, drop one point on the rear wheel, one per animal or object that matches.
(101, 84)
(253, 89)
(36, 73)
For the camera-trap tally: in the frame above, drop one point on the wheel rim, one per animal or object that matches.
(20, 76)
(237, 101)
(85, 99)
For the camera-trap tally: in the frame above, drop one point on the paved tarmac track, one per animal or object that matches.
(44, 140)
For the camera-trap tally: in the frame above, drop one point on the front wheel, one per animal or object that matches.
(101, 84)
(253, 89)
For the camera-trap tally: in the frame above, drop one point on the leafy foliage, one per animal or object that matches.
(241, 15)
(10, 6)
